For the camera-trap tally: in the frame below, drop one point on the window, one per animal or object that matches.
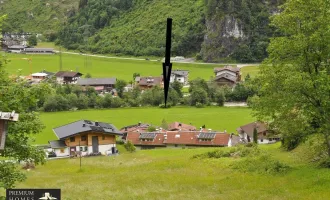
(84, 149)
(83, 138)
(264, 133)
(72, 139)
(62, 150)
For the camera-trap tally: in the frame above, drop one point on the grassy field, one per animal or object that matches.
(105, 67)
(216, 118)
(172, 174)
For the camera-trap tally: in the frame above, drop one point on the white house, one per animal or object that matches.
(180, 76)
(264, 137)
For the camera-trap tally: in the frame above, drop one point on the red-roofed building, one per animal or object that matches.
(181, 139)
(176, 126)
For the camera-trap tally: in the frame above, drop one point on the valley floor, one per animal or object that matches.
(173, 174)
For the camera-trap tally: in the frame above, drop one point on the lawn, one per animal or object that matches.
(172, 174)
(106, 67)
(101, 67)
(216, 118)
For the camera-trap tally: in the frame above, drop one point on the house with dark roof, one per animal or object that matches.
(99, 84)
(67, 77)
(161, 139)
(180, 76)
(85, 137)
(149, 82)
(245, 133)
(227, 75)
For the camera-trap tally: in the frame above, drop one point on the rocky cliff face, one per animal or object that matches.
(237, 30)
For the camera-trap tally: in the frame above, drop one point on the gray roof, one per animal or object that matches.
(85, 126)
(180, 72)
(16, 47)
(39, 49)
(57, 144)
(96, 81)
(47, 72)
(226, 76)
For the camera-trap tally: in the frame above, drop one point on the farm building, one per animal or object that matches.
(38, 51)
(227, 75)
(67, 77)
(147, 140)
(264, 135)
(149, 82)
(177, 126)
(16, 49)
(85, 137)
(99, 84)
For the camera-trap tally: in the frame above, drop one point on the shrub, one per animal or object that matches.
(263, 164)
(199, 105)
(163, 105)
(129, 147)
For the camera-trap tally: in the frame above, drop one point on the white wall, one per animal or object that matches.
(264, 141)
(59, 80)
(59, 154)
(102, 148)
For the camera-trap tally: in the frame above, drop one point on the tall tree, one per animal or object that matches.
(16, 95)
(294, 81)
(255, 136)
(32, 40)
(120, 85)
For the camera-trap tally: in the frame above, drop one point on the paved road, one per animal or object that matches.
(190, 62)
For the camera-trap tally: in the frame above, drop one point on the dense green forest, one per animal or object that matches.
(38, 16)
(209, 30)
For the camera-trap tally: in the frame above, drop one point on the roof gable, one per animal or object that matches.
(84, 126)
(249, 128)
(96, 81)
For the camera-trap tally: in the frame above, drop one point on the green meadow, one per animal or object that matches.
(215, 118)
(172, 174)
(106, 67)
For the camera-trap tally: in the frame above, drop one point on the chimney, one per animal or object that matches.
(96, 123)
(84, 125)
(180, 124)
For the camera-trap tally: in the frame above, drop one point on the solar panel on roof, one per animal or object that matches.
(147, 136)
(97, 128)
(206, 135)
(105, 125)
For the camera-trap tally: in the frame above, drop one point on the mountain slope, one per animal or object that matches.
(36, 15)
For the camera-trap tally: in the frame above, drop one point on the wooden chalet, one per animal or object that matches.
(85, 137)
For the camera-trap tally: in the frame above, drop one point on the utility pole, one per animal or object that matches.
(80, 154)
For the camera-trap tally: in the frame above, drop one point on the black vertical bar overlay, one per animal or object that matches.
(167, 66)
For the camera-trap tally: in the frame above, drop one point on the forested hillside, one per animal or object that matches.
(210, 30)
(36, 15)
